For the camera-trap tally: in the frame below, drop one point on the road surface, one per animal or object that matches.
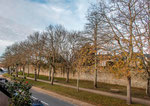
(48, 100)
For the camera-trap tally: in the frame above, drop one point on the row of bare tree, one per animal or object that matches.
(52, 49)
(120, 27)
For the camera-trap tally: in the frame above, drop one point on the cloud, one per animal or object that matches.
(4, 44)
(40, 13)
(39, 1)
(18, 18)
(9, 30)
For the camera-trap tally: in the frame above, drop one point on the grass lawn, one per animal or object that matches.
(81, 95)
(136, 92)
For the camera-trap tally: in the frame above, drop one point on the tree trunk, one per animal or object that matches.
(67, 78)
(52, 78)
(8, 70)
(23, 71)
(11, 70)
(39, 68)
(63, 71)
(148, 87)
(28, 69)
(16, 71)
(95, 79)
(49, 72)
(35, 79)
(53, 67)
(95, 48)
(78, 82)
(129, 99)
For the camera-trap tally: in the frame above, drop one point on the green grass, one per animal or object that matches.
(81, 95)
(136, 92)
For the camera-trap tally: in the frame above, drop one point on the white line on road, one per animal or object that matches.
(41, 101)
(34, 97)
(44, 103)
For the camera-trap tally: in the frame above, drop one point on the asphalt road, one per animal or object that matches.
(48, 100)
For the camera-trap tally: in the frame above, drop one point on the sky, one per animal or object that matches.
(20, 18)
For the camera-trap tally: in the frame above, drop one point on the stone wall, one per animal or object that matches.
(105, 77)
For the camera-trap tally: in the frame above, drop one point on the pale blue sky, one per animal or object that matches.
(21, 17)
(38, 14)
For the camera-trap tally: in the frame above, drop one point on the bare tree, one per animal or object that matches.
(34, 44)
(95, 32)
(7, 59)
(122, 16)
